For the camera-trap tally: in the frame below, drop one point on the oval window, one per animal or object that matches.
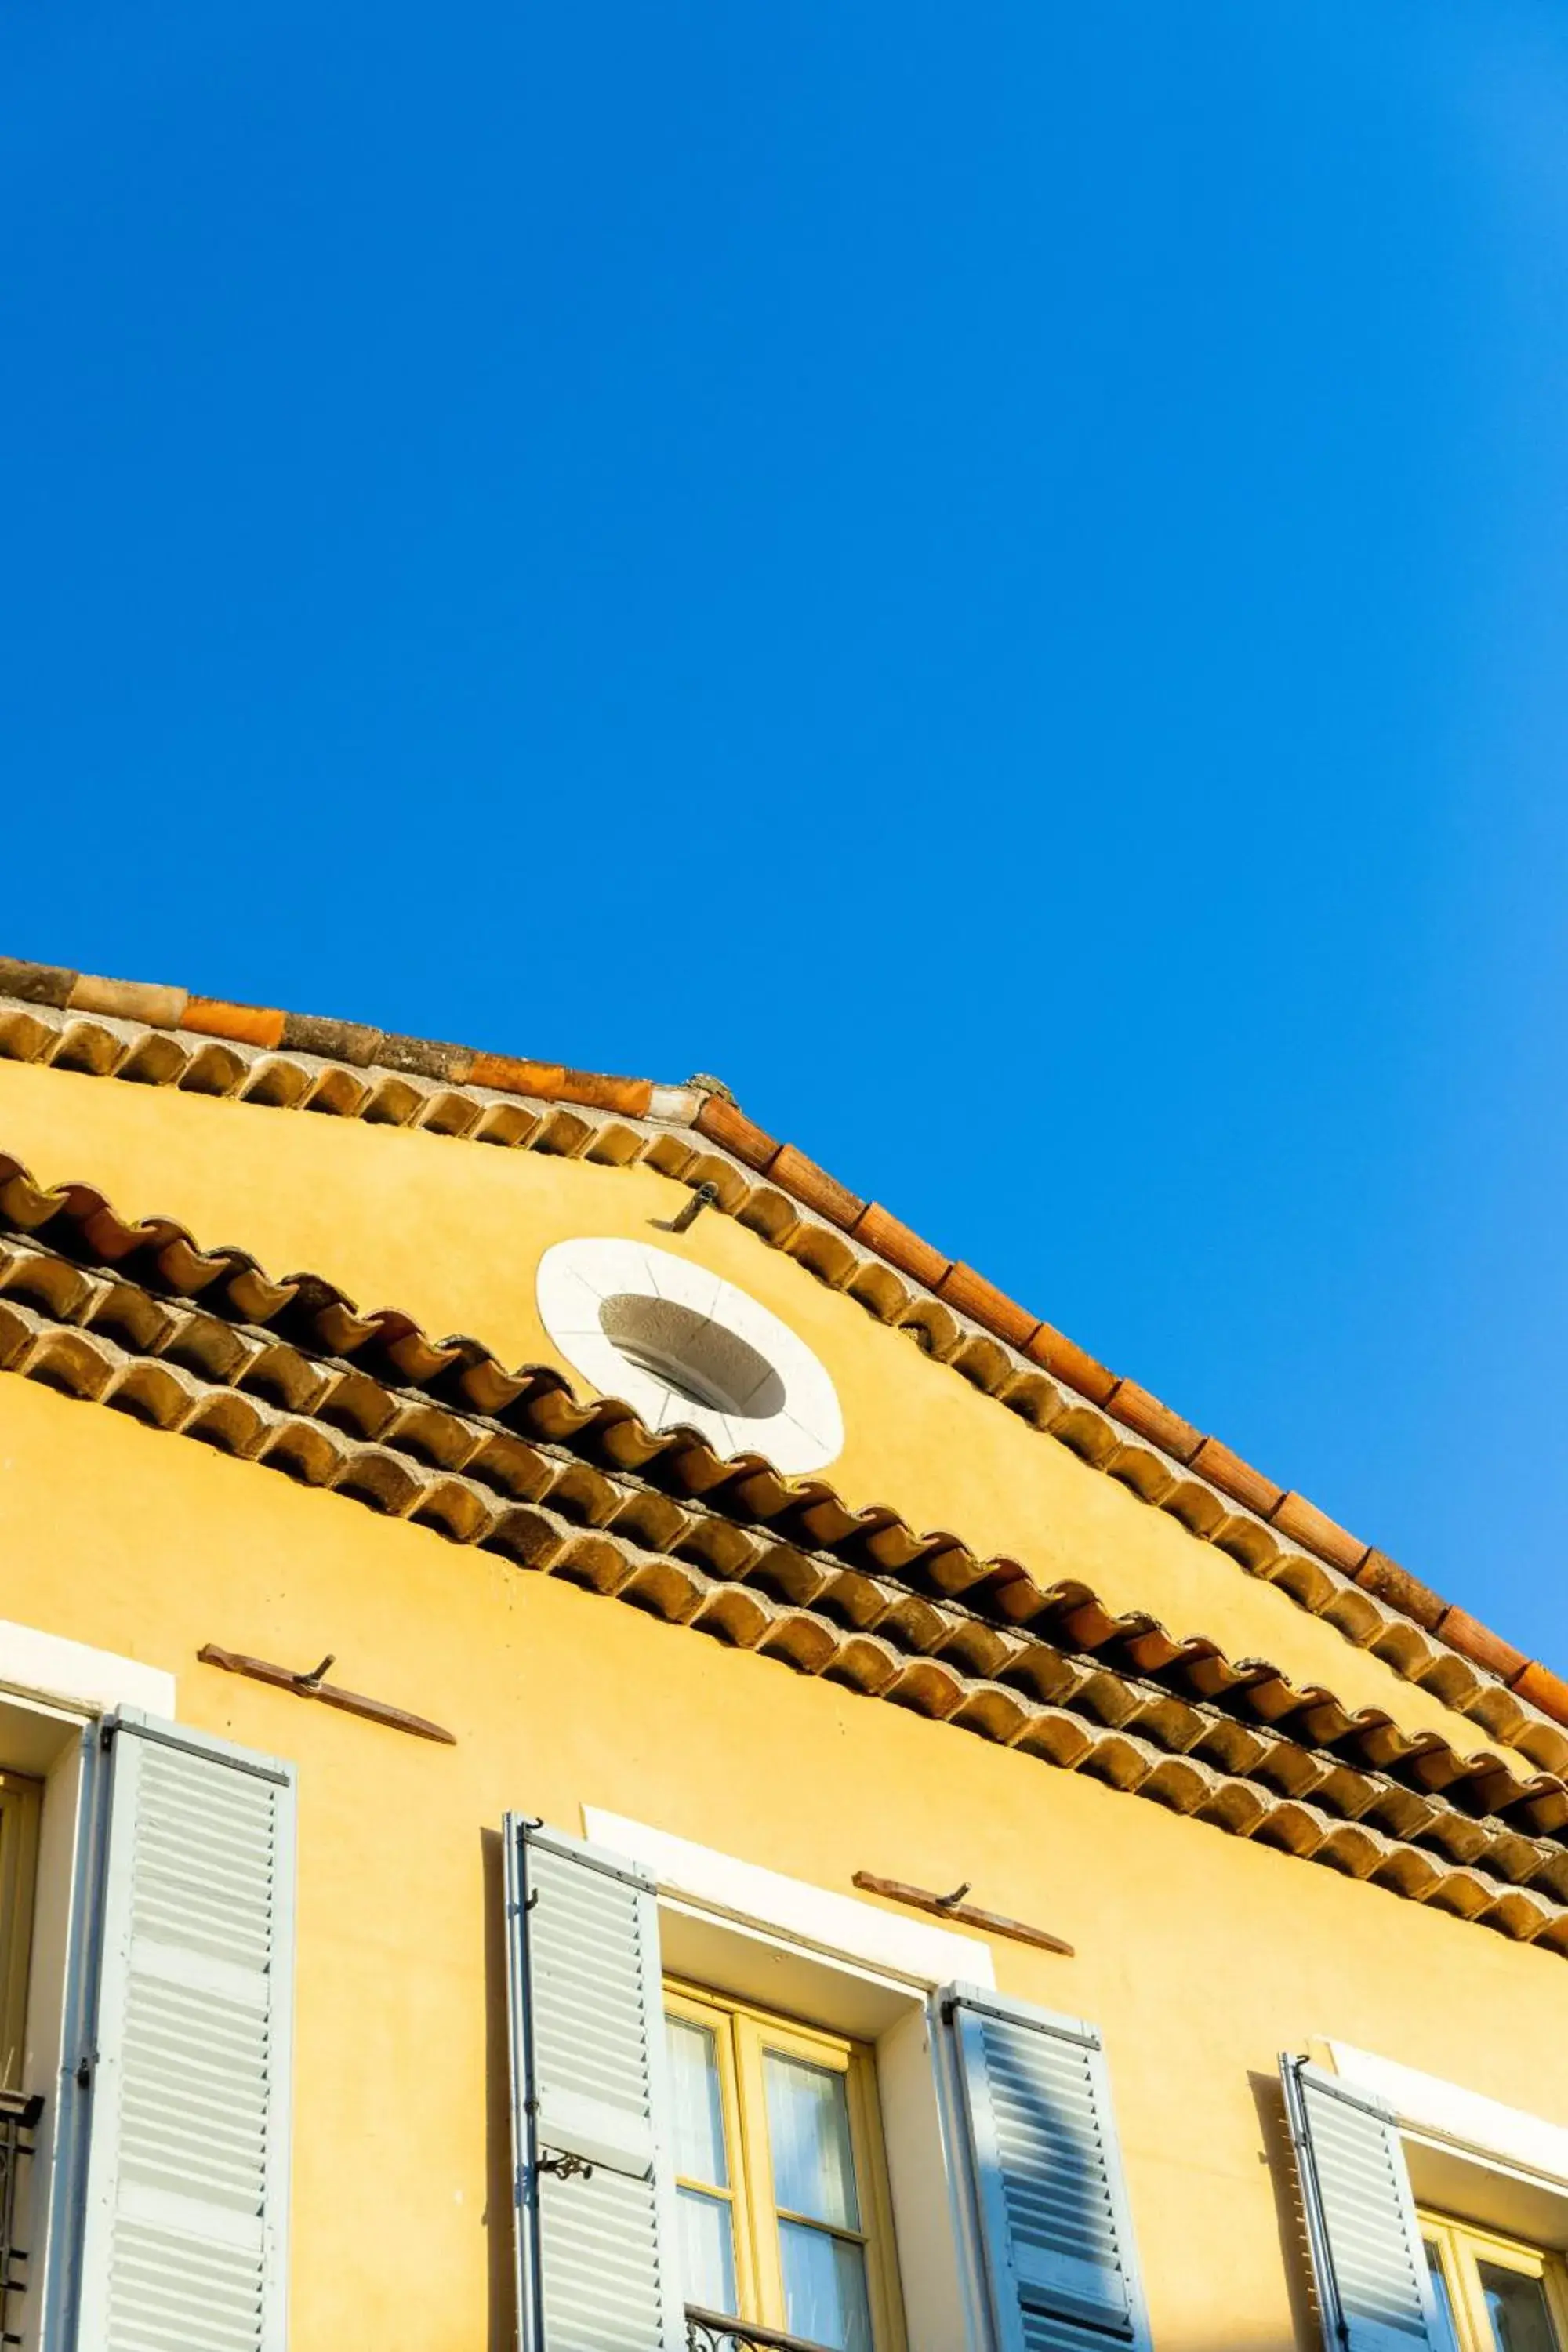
(681, 1346)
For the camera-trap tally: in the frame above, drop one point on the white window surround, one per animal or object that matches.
(838, 1962)
(1497, 2165)
(51, 1691)
(48, 1667)
(836, 1928)
(686, 1348)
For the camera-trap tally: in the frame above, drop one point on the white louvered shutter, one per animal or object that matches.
(1374, 2291)
(1057, 2237)
(595, 2249)
(184, 2246)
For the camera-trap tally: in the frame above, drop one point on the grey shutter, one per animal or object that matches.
(595, 2249)
(1374, 2291)
(1055, 2234)
(189, 2008)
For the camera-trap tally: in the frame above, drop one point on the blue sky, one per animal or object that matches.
(997, 576)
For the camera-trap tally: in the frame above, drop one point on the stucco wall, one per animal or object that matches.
(1201, 1956)
(452, 1231)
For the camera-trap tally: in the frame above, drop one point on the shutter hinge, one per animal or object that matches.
(86, 2068)
(564, 2167)
(107, 1729)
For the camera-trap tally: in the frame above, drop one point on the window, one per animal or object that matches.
(781, 2184)
(1497, 2295)
(686, 1348)
(19, 1806)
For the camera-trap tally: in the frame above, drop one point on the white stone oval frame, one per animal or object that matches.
(576, 1278)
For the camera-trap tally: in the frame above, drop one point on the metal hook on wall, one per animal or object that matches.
(706, 1196)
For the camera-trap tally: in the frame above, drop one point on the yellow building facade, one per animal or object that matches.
(823, 1810)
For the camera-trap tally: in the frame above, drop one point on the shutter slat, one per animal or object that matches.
(1047, 2173)
(184, 2246)
(595, 2255)
(1375, 2292)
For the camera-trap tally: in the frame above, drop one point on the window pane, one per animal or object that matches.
(1518, 2310)
(824, 2288)
(707, 2251)
(698, 2105)
(808, 2125)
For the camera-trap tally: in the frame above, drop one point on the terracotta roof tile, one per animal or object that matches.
(815, 1187)
(336, 1041)
(1482, 1646)
(1067, 1361)
(991, 1309)
(631, 1097)
(1379, 1574)
(1304, 1523)
(726, 1124)
(36, 983)
(509, 1075)
(249, 1024)
(128, 999)
(881, 1232)
(1542, 1688)
(423, 1057)
(1237, 1478)
(1154, 1421)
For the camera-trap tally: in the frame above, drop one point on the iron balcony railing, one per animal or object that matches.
(18, 2125)
(712, 2331)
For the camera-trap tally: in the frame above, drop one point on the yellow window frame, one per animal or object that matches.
(20, 1804)
(741, 2035)
(1461, 2248)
